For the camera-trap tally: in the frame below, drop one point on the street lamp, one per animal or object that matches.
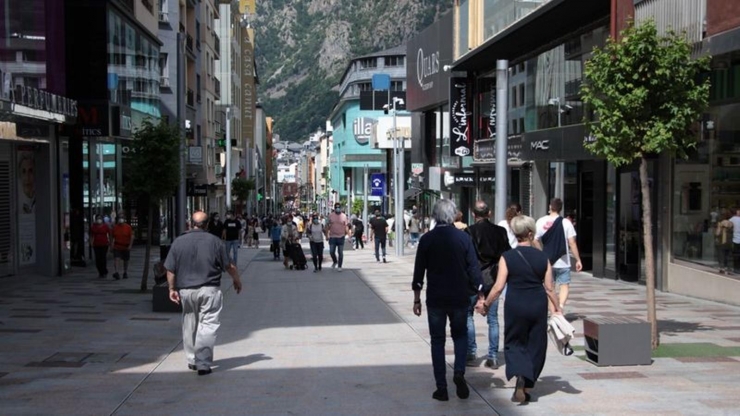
(559, 166)
(398, 180)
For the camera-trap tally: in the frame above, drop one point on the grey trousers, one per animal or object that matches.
(200, 320)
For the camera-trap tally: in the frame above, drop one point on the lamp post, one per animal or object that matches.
(398, 180)
(228, 159)
(559, 166)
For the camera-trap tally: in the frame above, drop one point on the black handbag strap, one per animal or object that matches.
(526, 261)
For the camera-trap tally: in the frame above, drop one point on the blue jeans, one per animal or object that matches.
(336, 250)
(437, 330)
(232, 248)
(493, 334)
(379, 243)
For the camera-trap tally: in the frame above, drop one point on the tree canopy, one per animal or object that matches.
(646, 92)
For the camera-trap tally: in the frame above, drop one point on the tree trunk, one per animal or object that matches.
(148, 252)
(647, 232)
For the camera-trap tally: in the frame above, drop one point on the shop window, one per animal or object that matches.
(707, 191)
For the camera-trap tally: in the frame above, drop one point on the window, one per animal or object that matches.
(368, 63)
(163, 65)
(365, 86)
(394, 60)
(521, 94)
(397, 86)
(521, 125)
(513, 97)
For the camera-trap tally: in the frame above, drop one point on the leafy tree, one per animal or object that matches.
(646, 92)
(155, 172)
(357, 205)
(241, 187)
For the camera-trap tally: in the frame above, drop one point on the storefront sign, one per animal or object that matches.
(248, 99)
(8, 130)
(464, 179)
(461, 143)
(427, 55)
(195, 155)
(193, 189)
(377, 184)
(362, 129)
(92, 120)
(35, 98)
(565, 143)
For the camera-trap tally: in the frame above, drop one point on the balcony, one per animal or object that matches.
(217, 87)
(190, 98)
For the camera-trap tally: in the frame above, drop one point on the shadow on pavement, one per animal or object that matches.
(237, 362)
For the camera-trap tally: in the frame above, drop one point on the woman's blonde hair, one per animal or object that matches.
(522, 226)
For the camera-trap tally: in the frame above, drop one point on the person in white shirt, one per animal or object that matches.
(557, 237)
(511, 212)
(735, 220)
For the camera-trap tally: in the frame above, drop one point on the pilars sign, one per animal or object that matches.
(248, 107)
(461, 142)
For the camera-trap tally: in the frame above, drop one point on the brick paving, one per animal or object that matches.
(333, 343)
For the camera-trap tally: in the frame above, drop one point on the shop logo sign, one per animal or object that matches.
(461, 144)
(362, 129)
(542, 145)
(426, 66)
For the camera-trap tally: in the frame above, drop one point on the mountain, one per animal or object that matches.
(304, 46)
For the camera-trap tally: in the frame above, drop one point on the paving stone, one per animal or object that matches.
(706, 360)
(615, 375)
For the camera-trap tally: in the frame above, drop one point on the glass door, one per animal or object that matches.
(630, 247)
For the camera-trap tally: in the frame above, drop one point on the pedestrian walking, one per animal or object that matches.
(123, 240)
(735, 220)
(528, 273)
(459, 224)
(255, 233)
(558, 238)
(359, 229)
(490, 242)
(723, 240)
(288, 236)
(338, 229)
(100, 241)
(194, 266)
(275, 232)
(512, 211)
(447, 257)
(230, 234)
(379, 234)
(316, 235)
(414, 230)
(215, 226)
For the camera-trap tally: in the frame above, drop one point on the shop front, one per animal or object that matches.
(33, 209)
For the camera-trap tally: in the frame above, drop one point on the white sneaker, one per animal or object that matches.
(339, 269)
(333, 265)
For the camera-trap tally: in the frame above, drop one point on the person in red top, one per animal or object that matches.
(123, 239)
(100, 241)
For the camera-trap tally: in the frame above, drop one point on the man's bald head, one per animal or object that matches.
(481, 209)
(200, 219)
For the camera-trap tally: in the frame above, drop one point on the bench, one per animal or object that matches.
(612, 341)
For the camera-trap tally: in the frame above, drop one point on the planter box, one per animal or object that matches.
(617, 341)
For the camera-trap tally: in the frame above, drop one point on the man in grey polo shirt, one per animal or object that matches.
(194, 266)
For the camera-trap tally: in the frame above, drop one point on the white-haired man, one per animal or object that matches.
(447, 256)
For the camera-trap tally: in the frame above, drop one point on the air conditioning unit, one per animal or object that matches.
(164, 17)
(164, 81)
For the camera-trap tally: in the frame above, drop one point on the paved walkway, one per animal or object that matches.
(299, 343)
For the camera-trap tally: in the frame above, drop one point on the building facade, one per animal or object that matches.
(34, 164)
(353, 125)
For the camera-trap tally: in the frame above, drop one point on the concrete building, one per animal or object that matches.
(353, 127)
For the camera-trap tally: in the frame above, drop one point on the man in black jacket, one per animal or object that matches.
(490, 241)
(447, 256)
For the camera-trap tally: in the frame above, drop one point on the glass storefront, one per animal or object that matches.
(707, 187)
(554, 78)
(500, 14)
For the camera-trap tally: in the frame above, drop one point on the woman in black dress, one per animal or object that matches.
(529, 276)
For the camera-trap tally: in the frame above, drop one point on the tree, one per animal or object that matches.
(241, 187)
(646, 92)
(358, 205)
(155, 172)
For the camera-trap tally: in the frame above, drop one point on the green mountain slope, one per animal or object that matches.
(303, 47)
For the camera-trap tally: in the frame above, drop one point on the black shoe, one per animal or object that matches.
(441, 395)
(384, 260)
(492, 363)
(470, 360)
(125, 275)
(205, 372)
(192, 367)
(116, 276)
(519, 395)
(463, 391)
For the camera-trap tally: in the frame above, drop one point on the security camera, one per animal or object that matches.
(447, 68)
(567, 107)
